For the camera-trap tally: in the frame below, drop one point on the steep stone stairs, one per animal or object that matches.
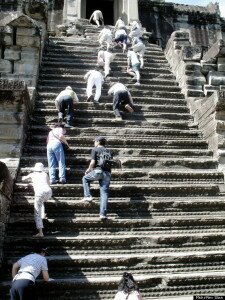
(166, 214)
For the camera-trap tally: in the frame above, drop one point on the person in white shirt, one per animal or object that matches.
(121, 38)
(128, 288)
(120, 24)
(94, 78)
(121, 99)
(139, 48)
(136, 29)
(42, 193)
(55, 153)
(104, 59)
(24, 274)
(133, 65)
(105, 36)
(97, 16)
(64, 101)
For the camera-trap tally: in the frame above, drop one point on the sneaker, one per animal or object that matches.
(62, 181)
(119, 119)
(53, 182)
(129, 108)
(102, 217)
(89, 199)
(68, 126)
(137, 83)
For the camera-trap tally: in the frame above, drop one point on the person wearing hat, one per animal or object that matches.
(128, 288)
(102, 174)
(42, 193)
(64, 101)
(24, 274)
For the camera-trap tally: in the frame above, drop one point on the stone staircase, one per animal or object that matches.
(166, 214)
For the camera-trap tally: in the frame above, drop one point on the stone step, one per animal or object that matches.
(49, 98)
(104, 287)
(149, 56)
(91, 65)
(52, 54)
(129, 132)
(90, 106)
(134, 92)
(93, 61)
(126, 123)
(82, 85)
(154, 114)
(124, 79)
(139, 264)
(158, 206)
(155, 176)
(31, 149)
(132, 189)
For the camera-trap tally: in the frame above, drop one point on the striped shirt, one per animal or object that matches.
(31, 266)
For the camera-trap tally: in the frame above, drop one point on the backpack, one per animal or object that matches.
(105, 159)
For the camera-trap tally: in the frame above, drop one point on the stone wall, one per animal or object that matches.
(15, 107)
(203, 23)
(20, 48)
(6, 187)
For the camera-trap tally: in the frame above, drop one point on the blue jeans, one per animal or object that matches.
(23, 289)
(56, 158)
(103, 178)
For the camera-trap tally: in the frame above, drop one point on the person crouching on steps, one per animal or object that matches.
(96, 172)
(42, 193)
(128, 288)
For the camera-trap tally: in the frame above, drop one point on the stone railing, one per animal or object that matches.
(184, 60)
(202, 80)
(6, 188)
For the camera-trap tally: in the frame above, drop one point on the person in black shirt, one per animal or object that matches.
(97, 172)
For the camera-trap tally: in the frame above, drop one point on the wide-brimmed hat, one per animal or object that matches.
(39, 167)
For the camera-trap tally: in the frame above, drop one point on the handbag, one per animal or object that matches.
(65, 146)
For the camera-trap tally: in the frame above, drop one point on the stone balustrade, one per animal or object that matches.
(202, 79)
(6, 187)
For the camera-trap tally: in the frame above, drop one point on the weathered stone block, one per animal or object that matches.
(216, 78)
(25, 31)
(5, 66)
(30, 53)
(12, 53)
(196, 81)
(192, 53)
(206, 67)
(180, 35)
(25, 67)
(7, 39)
(221, 64)
(194, 93)
(209, 89)
(181, 43)
(192, 66)
(28, 41)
